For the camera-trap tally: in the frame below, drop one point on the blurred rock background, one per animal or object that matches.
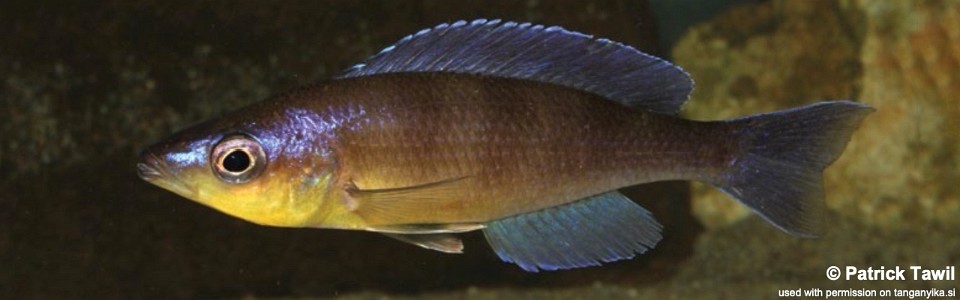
(87, 85)
(902, 168)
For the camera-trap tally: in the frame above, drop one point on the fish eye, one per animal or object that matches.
(237, 159)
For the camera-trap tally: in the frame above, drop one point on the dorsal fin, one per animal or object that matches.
(533, 52)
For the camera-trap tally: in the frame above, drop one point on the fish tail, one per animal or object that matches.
(779, 173)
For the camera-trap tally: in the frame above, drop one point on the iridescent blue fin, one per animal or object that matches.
(533, 52)
(602, 228)
(779, 173)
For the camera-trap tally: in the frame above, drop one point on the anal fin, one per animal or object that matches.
(597, 229)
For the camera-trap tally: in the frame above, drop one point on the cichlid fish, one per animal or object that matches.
(522, 131)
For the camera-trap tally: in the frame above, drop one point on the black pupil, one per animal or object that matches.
(236, 161)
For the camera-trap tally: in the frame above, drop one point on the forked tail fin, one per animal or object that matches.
(779, 174)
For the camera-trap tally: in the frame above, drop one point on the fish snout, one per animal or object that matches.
(156, 171)
(150, 167)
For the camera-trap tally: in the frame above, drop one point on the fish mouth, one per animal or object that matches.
(147, 172)
(152, 169)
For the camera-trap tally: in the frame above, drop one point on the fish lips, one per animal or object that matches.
(150, 168)
(154, 170)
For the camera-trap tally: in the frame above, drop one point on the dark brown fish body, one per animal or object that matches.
(523, 131)
(519, 146)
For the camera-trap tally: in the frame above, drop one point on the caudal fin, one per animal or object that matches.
(780, 171)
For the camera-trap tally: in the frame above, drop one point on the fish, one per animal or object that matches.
(522, 131)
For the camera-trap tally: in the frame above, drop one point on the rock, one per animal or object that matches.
(901, 167)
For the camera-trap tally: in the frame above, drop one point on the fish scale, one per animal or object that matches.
(556, 142)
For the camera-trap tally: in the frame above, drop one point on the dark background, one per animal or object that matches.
(88, 84)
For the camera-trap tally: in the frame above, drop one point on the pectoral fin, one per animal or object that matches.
(443, 242)
(602, 228)
(426, 228)
(409, 205)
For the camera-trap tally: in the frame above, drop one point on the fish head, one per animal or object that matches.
(261, 171)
